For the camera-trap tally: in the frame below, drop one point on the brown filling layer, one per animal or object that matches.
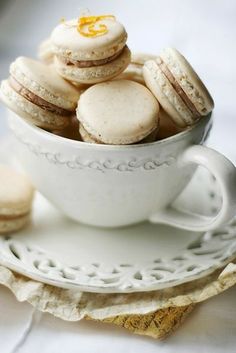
(10, 217)
(177, 87)
(33, 98)
(89, 63)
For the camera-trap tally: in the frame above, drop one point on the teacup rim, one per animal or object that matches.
(174, 138)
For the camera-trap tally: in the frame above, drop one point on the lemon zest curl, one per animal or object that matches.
(90, 22)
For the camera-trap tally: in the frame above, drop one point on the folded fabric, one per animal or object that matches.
(155, 314)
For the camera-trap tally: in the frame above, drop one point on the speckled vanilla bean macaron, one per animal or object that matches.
(86, 137)
(179, 90)
(90, 53)
(38, 94)
(117, 112)
(16, 195)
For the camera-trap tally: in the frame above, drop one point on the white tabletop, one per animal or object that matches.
(205, 32)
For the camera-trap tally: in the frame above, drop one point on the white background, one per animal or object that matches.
(205, 32)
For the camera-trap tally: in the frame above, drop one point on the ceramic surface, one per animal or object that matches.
(64, 253)
(112, 186)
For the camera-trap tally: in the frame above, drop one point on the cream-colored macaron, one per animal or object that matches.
(134, 70)
(71, 131)
(117, 112)
(167, 127)
(16, 195)
(178, 88)
(86, 137)
(152, 137)
(45, 52)
(90, 53)
(37, 93)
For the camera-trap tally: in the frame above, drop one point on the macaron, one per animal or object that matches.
(16, 195)
(71, 131)
(38, 94)
(45, 52)
(86, 137)
(167, 127)
(90, 49)
(134, 70)
(152, 137)
(117, 112)
(178, 88)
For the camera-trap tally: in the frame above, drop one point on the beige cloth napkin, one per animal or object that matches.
(155, 314)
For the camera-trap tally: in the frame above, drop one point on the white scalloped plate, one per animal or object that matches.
(144, 257)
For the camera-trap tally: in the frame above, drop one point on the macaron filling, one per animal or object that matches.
(33, 98)
(90, 63)
(13, 217)
(176, 86)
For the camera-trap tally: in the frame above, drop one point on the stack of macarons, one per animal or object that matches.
(38, 94)
(84, 55)
(87, 86)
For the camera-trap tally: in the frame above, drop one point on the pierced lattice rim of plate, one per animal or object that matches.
(212, 250)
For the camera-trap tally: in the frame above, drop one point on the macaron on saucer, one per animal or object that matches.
(178, 88)
(37, 93)
(90, 49)
(117, 112)
(16, 195)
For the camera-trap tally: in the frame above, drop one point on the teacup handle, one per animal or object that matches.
(225, 174)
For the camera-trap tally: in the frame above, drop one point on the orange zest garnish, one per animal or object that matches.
(92, 28)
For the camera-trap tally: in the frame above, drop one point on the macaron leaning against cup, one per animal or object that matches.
(178, 88)
(91, 49)
(16, 195)
(38, 94)
(117, 112)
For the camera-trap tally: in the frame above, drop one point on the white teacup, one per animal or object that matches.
(112, 186)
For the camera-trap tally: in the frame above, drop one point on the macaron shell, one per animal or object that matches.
(118, 112)
(188, 79)
(13, 225)
(45, 52)
(44, 81)
(141, 58)
(29, 111)
(16, 193)
(152, 137)
(71, 131)
(133, 72)
(170, 101)
(94, 74)
(68, 42)
(167, 127)
(85, 136)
